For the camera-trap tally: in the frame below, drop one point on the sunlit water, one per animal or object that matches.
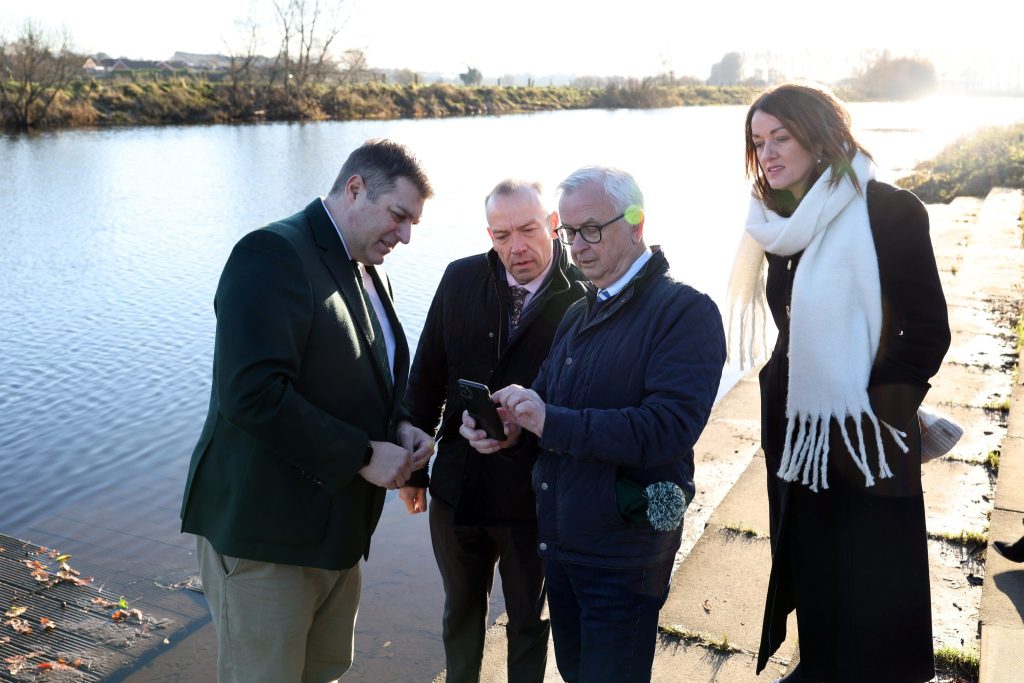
(111, 243)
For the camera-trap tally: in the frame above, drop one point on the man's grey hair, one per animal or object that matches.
(618, 185)
(511, 185)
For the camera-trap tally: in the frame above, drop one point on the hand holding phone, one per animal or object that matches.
(477, 399)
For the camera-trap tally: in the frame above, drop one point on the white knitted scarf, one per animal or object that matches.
(835, 319)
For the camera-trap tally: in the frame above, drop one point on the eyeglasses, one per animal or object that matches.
(591, 234)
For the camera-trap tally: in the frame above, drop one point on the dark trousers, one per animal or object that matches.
(466, 556)
(605, 620)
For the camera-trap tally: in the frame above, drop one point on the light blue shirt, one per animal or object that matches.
(617, 286)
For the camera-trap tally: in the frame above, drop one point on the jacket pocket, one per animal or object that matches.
(588, 509)
(277, 504)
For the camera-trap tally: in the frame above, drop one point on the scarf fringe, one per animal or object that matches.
(805, 456)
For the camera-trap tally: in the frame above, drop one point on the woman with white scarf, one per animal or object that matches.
(854, 291)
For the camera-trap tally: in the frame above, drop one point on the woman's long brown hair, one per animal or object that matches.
(819, 122)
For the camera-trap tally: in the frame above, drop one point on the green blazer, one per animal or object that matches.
(297, 395)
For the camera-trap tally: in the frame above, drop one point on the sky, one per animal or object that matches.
(582, 37)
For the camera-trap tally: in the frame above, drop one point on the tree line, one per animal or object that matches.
(308, 77)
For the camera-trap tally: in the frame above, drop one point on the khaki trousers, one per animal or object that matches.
(279, 623)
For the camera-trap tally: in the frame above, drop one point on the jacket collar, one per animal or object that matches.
(655, 266)
(336, 259)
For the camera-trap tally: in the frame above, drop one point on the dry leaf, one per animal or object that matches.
(707, 606)
(47, 623)
(15, 611)
(102, 602)
(44, 666)
(4, 640)
(20, 626)
(17, 663)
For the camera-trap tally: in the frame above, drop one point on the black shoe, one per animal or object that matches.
(1013, 552)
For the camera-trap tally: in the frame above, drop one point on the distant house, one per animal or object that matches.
(101, 65)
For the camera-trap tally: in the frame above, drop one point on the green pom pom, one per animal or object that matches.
(665, 505)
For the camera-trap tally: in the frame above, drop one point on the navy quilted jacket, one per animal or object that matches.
(628, 392)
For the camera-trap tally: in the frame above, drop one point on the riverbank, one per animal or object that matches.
(96, 103)
(971, 166)
(711, 623)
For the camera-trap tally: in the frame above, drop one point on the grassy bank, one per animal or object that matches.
(971, 166)
(187, 101)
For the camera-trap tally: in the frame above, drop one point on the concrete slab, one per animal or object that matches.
(1010, 484)
(1001, 658)
(678, 662)
(1002, 602)
(967, 385)
(719, 591)
(747, 502)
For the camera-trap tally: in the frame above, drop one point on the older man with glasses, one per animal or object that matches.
(617, 407)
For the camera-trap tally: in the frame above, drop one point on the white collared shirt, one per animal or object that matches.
(378, 305)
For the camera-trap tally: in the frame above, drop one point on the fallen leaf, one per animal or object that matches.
(43, 666)
(47, 623)
(102, 602)
(122, 603)
(20, 626)
(4, 640)
(63, 558)
(707, 606)
(22, 658)
(119, 615)
(15, 611)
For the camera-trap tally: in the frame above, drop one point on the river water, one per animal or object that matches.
(111, 243)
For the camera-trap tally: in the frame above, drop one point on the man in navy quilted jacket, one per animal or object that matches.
(619, 403)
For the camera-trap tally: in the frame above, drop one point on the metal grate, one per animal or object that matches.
(83, 629)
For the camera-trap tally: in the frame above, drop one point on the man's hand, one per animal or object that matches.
(415, 499)
(523, 407)
(478, 439)
(390, 466)
(417, 442)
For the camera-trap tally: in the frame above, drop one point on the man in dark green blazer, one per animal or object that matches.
(306, 426)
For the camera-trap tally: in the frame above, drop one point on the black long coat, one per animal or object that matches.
(853, 560)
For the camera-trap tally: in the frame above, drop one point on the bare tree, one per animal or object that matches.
(242, 60)
(354, 67)
(33, 69)
(308, 29)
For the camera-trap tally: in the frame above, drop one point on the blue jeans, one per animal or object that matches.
(605, 620)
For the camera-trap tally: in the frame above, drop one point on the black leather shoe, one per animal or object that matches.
(1013, 552)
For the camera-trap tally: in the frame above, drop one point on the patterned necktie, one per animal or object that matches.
(380, 347)
(517, 297)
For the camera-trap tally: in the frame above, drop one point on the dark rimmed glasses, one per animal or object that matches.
(591, 234)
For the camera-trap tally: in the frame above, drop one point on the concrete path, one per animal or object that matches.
(711, 622)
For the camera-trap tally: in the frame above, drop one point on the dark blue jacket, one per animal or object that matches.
(628, 392)
(467, 336)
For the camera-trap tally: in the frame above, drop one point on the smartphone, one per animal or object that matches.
(476, 398)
